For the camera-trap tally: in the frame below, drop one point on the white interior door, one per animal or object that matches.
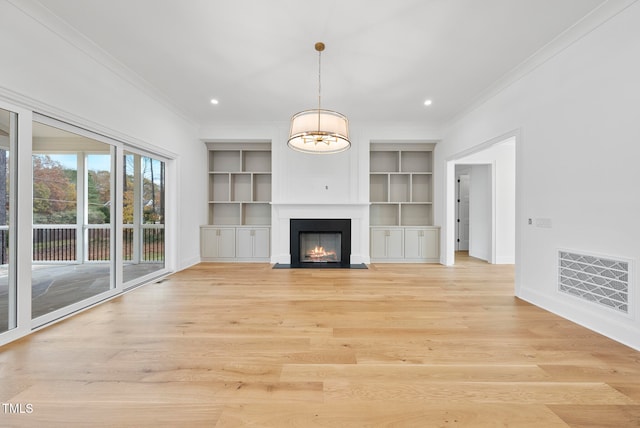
(462, 221)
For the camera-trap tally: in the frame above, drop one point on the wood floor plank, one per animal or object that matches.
(393, 414)
(414, 372)
(599, 416)
(407, 345)
(581, 393)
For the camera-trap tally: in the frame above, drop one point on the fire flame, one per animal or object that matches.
(320, 254)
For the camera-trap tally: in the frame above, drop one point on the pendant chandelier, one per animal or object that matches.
(319, 131)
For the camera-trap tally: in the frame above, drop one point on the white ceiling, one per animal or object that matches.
(383, 58)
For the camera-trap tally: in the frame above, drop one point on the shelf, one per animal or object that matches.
(399, 188)
(401, 197)
(256, 214)
(379, 187)
(262, 187)
(256, 161)
(401, 184)
(239, 184)
(239, 208)
(384, 215)
(224, 161)
(239, 213)
(416, 215)
(415, 161)
(241, 187)
(421, 188)
(224, 213)
(384, 162)
(219, 187)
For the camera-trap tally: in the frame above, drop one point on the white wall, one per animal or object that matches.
(46, 67)
(577, 155)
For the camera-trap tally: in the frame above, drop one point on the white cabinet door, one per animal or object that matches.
(208, 242)
(386, 244)
(262, 243)
(227, 243)
(413, 242)
(431, 244)
(245, 243)
(421, 244)
(378, 244)
(217, 242)
(395, 244)
(253, 242)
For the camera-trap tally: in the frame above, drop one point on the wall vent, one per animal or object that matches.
(604, 281)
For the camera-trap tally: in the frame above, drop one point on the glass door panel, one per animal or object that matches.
(8, 320)
(98, 224)
(71, 219)
(143, 216)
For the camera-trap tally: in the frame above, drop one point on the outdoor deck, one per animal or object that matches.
(55, 286)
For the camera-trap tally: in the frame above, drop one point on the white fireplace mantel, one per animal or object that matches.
(283, 212)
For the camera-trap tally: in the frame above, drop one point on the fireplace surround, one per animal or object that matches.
(320, 243)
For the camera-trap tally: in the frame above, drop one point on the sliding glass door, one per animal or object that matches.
(72, 221)
(89, 223)
(8, 122)
(143, 217)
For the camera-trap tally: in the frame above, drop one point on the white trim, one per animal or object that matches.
(188, 263)
(594, 19)
(82, 213)
(505, 260)
(73, 37)
(602, 322)
(45, 113)
(137, 207)
(116, 219)
(22, 231)
(447, 255)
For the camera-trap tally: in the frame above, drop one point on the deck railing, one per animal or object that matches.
(53, 243)
(152, 242)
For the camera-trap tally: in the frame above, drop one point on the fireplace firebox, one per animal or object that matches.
(318, 243)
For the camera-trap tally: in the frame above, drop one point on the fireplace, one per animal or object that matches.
(318, 243)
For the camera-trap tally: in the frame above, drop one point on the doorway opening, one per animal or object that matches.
(481, 202)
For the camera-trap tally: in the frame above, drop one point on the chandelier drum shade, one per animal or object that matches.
(319, 131)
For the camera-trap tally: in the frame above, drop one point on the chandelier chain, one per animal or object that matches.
(319, 78)
(319, 85)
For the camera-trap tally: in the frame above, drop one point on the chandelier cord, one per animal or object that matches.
(319, 85)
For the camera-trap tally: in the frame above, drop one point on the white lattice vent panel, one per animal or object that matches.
(604, 281)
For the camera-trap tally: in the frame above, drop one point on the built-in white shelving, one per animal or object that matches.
(239, 209)
(401, 197)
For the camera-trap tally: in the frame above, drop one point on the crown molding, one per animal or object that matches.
(43, 16)
(45, 112)
(594, 19)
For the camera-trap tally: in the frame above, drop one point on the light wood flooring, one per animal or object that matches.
(397, 345)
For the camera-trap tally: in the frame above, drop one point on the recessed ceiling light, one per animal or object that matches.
(427, 102)
(214, 101)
